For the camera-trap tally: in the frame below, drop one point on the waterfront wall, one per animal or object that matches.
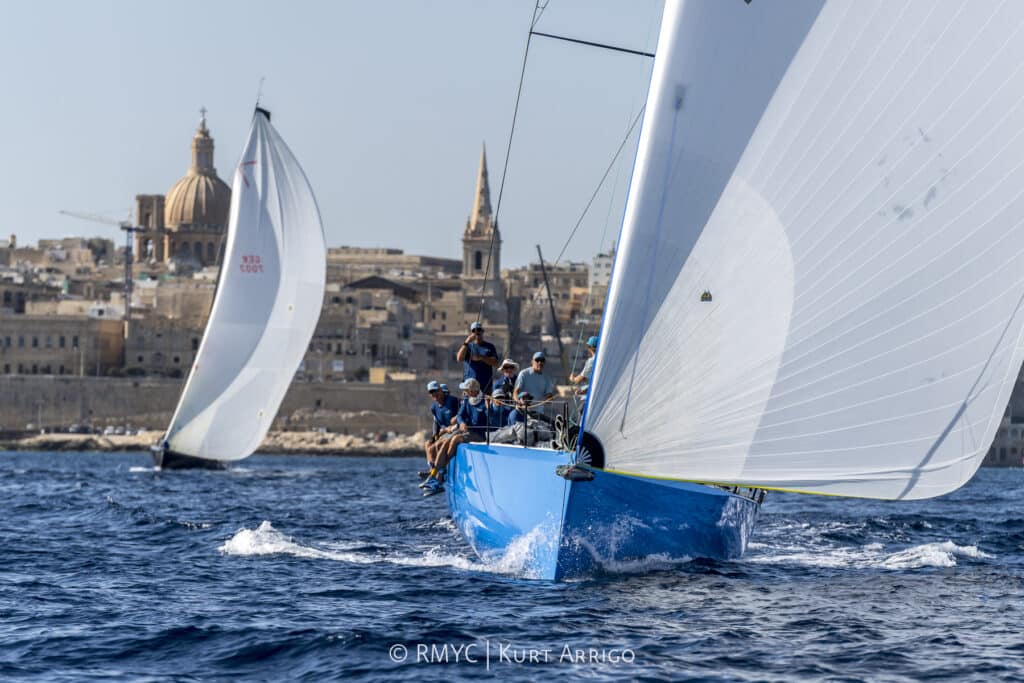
(55, 402)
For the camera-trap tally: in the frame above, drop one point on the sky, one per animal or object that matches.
(384, 103)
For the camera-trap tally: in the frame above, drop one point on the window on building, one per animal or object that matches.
(60, 370)
(62, 342)
(35, 342)
(195, 343)
(35, 369)
(74, 342)
(176, 359)
(478, 260)
(49, 342)
(140, 358)
(7, 368)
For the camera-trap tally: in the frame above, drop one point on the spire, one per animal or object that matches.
(202, 148)
(480, 221)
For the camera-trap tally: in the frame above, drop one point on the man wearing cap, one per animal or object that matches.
(583, 379)
(501, 406)
(533, 381)
(518, 414)
(443, 409)
(471, 423)
(478, 357)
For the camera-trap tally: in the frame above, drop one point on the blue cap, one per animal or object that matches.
(444, 388)
(433, 386)
(476, 326)
(539, 356)
(592, 342)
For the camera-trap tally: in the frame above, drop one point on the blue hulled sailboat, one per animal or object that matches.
(816, 288)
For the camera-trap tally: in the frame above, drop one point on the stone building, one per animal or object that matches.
(190, 223)
(59, 345)
(7, 247)
(347, 264)
(373, 322)
(161, 347)
(569, 288)
(1007, 449)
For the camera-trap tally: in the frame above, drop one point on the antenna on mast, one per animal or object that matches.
(259, 91)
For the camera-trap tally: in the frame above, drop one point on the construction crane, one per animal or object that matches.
(128, 261)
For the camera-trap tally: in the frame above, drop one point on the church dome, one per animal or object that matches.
(200, 200)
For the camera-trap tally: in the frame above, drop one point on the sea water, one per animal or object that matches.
(294, 568)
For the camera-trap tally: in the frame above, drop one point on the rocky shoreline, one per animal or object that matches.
(280, 443)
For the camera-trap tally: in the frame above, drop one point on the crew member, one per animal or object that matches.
(533, 381)
(582, 380)
(478, 357)
(471, 422)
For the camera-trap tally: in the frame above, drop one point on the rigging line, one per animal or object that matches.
(538, 10)
(600, 183)
(590, 43)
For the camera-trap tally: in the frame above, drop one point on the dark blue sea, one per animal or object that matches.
(294, 568)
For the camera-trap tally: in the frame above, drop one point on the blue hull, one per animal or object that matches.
(507, 501)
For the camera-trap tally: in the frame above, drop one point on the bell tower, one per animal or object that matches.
(481, 241)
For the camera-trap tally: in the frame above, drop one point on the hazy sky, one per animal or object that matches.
(384, 103)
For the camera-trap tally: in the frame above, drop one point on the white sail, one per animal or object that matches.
(266, 308)
(846, 180)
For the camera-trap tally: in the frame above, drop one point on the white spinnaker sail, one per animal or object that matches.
(847, 181)
(266, 308)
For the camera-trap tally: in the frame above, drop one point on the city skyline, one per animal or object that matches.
(109, 95)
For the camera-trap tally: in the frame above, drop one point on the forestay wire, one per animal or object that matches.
(538, 11)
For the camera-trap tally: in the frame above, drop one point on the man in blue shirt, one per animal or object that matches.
(471, 423)
(501, 406)
(518, 414)
(478, 358)
(443, 409)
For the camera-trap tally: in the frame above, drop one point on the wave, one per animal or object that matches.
(870, 556)
(266, 540)
(933, 555)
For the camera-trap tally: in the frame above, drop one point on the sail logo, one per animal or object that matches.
(251, 264)
(242, 170)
